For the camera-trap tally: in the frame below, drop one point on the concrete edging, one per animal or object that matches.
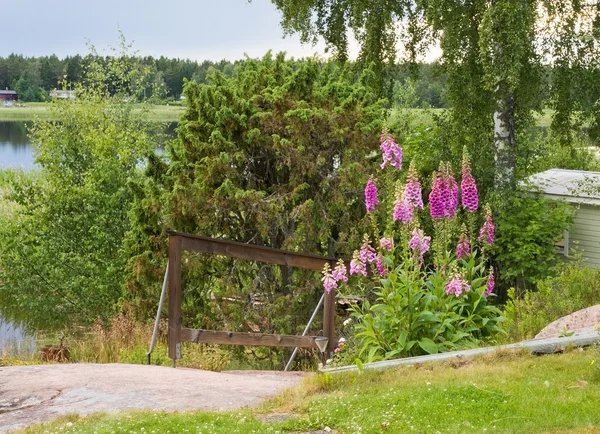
(581, 338)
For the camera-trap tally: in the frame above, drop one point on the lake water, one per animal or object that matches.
(15, 147)
(16, 152)
(14, 340)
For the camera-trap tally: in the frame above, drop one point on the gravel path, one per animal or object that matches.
(40, 393)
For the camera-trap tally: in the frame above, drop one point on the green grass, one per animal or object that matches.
(32, 111)
(545, 119)
(501, 393)
(416, 117)
(172, 113)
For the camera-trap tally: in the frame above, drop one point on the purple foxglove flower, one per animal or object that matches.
(443, 198)
(367, 252)
(380, 267)
(387, 244)
(436, 201)
(490, 283)
(391, 152)
(457, 285)
(329, 282)
(412, 191)
(470, 201)
(356, 265)
(403, 210)
(371, 195)
(463, 248)
(419, 244)
(486, 234)
(340, 272)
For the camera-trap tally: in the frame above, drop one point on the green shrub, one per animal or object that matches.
(204, 356)
(138, 355)
(528, 228)
(575, 287)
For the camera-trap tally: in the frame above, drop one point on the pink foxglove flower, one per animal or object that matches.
(329, 282)
(380, 267)
(490, 283)
(419, 244)
(486, 234)
(391, 152)
(367, 252)
(470, 201)
(443, 198)
(457, 285)
(340, 272)
(463, 248)
(357, 266)
(412, 191)
(436, 201)
(371, 200)
(403, 209)
(387, 244)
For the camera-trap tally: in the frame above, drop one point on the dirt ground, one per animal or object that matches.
(40, 393)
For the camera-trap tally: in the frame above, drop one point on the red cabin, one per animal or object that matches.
(8, 95)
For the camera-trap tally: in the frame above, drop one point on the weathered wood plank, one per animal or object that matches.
(249, 339)
(234, 249)
(175, 297)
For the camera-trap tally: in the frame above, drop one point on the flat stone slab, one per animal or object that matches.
(40, 393)
(584, 318)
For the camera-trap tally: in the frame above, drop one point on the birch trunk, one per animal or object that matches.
(505, 143)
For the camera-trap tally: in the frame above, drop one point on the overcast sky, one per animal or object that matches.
(195, 29)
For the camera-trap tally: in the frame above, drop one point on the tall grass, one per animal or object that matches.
(32, 111)
(124, 340)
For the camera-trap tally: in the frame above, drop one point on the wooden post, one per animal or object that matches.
(174, 298)
(329, 322)
(329, 310)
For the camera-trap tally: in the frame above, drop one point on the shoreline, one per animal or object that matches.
(34, 111)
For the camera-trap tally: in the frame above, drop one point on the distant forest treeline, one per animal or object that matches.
(34, 77)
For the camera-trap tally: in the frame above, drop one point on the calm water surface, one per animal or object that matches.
(15, 146)
(14, 340)
(16, 150)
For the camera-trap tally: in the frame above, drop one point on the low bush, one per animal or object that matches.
(574, 287)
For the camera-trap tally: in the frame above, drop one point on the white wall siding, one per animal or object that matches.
(585, 234)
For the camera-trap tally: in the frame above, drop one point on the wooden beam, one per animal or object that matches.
(174, 297)
(249, 339)
(234, 249)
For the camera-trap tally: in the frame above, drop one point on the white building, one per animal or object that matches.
(62, 94)
(582, 190)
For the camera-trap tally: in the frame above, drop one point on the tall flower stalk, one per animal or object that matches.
(486, 233)
(469, 198)
(391, 152)
(425, 302)
(371, 200)
(443, 198)
(463, 248)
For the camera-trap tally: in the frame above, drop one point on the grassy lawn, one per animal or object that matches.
(499, 393)
(31, 111)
